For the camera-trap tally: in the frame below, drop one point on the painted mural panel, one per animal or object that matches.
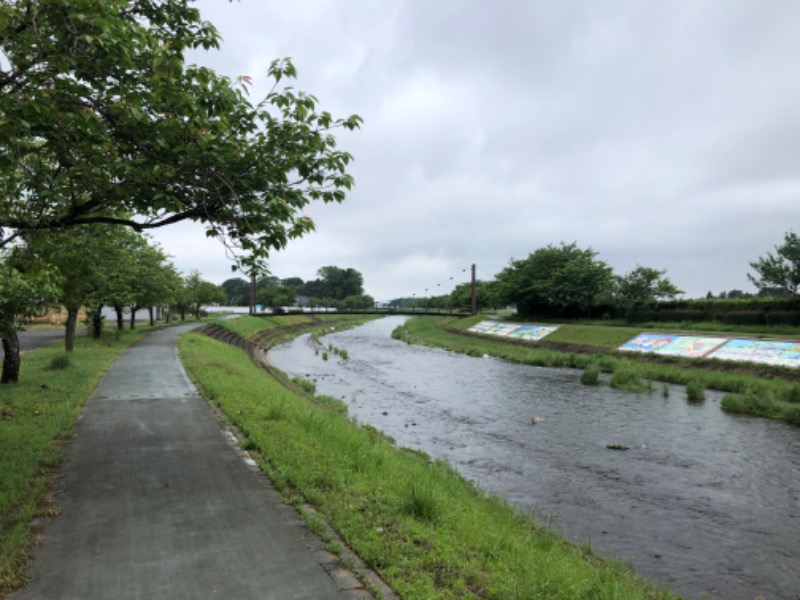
(524, 332)
(780, 353)
(784, 354)
(647, 342)
(532, 332)
(690, 346)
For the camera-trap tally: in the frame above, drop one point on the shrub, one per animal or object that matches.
(681, 315)
(745, 317)
(641, 315)
(782, 317)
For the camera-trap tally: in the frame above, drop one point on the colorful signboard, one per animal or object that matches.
(524, 332)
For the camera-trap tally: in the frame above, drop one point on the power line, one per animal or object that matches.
(451, 278)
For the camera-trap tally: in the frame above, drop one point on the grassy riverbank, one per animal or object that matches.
(36, 419)
(772, 392)
(427, 531)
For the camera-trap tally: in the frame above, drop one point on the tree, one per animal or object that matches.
(277, 297)
(642, 287)
(237, 291)
(359, 302)
(102, 121)
(335, 283)
(200, 292)
(154, 279)
(26, 286)
(555, 281)
(779, 271)
(82, 258)
(485, 292)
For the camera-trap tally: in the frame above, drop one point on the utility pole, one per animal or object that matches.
(474, 292)
(253, 293)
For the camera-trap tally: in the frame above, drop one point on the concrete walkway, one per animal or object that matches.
(157, 504)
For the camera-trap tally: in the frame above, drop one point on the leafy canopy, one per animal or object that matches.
(555, 280)
(644, 286)
(102, 121)
(780, 271)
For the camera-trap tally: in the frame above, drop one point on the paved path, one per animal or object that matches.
(157, 504)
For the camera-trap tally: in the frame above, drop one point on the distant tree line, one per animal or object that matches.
(334, 287)
(569, 282)
(91, 266)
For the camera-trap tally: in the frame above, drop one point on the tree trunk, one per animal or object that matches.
(11, 358)
(133, 316)
(183, 313)
(97, 322)
(120, 320)
(69, 334)
(152, 316)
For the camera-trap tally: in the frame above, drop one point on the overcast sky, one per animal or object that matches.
(661, 133)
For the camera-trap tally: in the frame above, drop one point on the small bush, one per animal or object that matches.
(591, 375)
(695, 391)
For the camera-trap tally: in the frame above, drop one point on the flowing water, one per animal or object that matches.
(702, 501)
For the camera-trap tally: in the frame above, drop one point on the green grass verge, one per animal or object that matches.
(426, 530)
(767, 395)
(36, 418)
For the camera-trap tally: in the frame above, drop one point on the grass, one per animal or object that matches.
(628, 376)
(591, 375)
(426, 530)
(36, 419)
(765, 391)
(695, 392)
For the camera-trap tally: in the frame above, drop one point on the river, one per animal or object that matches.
(704, 502)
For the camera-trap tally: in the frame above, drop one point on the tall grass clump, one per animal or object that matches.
(419, 501)
(591, 375)
(58, 362)
(695, 391)
(628, 377)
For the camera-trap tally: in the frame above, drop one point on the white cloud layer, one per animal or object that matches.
(665, 134)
